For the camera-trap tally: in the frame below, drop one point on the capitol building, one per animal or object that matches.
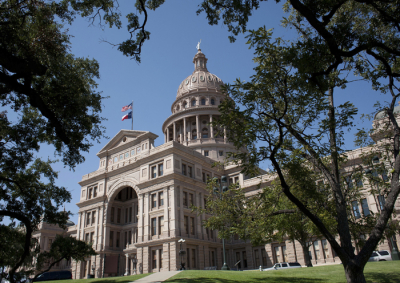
(136, 206)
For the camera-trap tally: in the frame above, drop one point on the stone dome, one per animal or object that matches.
(201, 79)
(382, 114)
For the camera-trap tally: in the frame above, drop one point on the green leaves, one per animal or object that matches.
(63, 247)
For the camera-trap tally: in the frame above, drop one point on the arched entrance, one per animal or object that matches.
(121, 228)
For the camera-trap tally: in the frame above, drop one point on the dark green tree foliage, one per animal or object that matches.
(289, 103)
(54, 97)
(63, 247)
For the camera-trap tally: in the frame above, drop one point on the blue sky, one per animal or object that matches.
(166, 62)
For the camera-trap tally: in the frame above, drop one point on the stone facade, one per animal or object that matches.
(136, 206)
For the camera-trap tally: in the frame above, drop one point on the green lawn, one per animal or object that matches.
(119, 279)
(382, 272)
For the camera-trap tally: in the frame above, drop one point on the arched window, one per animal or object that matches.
(184, 105)
(212, 101)
(203, 101)
(194, 134)
(177, 108)
(194, 102)
(204, 133)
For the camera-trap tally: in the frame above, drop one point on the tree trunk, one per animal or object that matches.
(307, 255)
(354, 274)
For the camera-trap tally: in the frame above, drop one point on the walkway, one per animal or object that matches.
(157, 277)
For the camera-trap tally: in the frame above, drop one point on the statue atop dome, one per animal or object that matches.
(198, 45)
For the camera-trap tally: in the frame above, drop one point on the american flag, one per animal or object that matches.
(127, 107)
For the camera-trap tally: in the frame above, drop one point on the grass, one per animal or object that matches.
(119, 279)
(380, 272)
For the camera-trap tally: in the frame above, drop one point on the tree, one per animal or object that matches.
(63, 247)
(54, 95)
(287, 97)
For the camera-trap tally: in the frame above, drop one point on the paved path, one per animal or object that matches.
(157, 277)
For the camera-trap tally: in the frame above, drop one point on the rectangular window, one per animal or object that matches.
(119, 215)
(264, 257)
(325, 247)
(90, 193)
(93, 217)
(126, 239)
(191, 199)
(193, 263)
(130, 214)
(316, 249)
(111, 238)
(244, 259)
(192, 225)
(205, 203)
(51, 242)
(185, 223)
(154, 172)
(88, 219)
(126, 215)
(190, 171)
(204, 177)
(153, 200)
(381, 200)
(385, 176)
(161, 257)
(359, 182)
(95, 192)
(154, 258)
(112, 214)
(212, 258)
(160, 170)
(206, 153)
(221, 153)
(161, 198)
(356, 211)
(183, 169)
(160, 224)
(256, 258)
(365, 208)
(349, 182)
(130, 237)
(117, 243)
(185, 203)
(188, 257)
(154, 226)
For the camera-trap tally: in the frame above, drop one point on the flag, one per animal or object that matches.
(127, 116)
(127, 107)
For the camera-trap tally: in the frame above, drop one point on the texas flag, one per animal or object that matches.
(127, 107)
(127, 116)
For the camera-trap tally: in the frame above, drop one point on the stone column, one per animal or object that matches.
(167, 134)
(225, 135)
(165, 137)
(127, 271)
(198, 219)
(198, 127)
(83, 226)
(182, 226)
(100, 240)
(219, 258)
(140, 218)
(139, 264)
(166, 216)
(146, 220)
(211, 128)
(79, 225)
(172, 221)
(174, 132)
(200, 256)
(249, 255)
(184, 130)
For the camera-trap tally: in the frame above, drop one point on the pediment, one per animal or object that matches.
(122, 138)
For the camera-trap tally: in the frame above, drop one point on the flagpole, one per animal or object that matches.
(132, 116)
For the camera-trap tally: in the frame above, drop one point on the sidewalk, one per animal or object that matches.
(157, 277)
